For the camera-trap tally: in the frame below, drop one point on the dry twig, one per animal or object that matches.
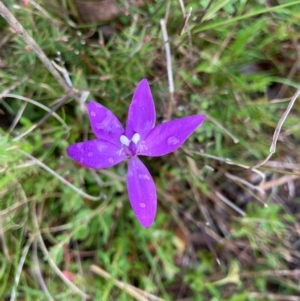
(169, 65)
(278, 128)
(278, 182)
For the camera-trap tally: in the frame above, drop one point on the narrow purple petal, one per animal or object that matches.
(104, 123)
(96, 153)
(142, 192)
(141, 114)
(167, 137)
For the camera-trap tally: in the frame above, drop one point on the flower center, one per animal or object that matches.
(130, 146)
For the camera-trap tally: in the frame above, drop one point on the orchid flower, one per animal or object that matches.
(140, 138)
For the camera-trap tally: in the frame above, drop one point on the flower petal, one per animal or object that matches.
(96, 153)
(167, 137)
(141, 192)
(104, 123)
(141, 114)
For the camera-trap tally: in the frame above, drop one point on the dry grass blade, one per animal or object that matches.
(60, 178)
(196, 194)
(17, 117)
(218, 124)
(3, 241)
(283, 165)
(12, 87)
(38, 272)
(20, 268)
(273, 297)
(59, 103)
(23, 165)
(129, 289)
(230, 162)
(11, 208)
(56, 116)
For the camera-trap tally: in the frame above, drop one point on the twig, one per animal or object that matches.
(248, 184)
(292, 72)
(168, 55)
(229, 203)
(15, 24)
(185, 21)
(278, 128)
(83, 97)
(278, 182)
(291, 188)
(64, 72)
(169, 65)
(182, 7)
(168, 5)
(281, 121)
(185, 26)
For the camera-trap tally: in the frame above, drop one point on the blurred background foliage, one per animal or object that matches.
(236, 61)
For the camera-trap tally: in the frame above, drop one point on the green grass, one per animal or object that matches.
(239, 65)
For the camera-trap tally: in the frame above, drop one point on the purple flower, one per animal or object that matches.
(141, 137)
